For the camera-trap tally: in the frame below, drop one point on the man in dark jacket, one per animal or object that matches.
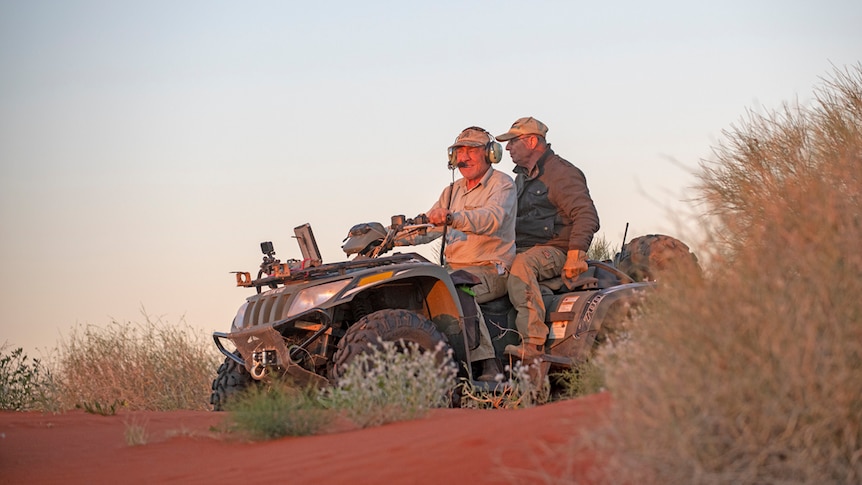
(554, 227)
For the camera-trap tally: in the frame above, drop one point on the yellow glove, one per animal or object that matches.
(576, 263)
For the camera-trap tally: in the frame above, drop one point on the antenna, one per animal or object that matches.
(622, 254)
(625, 233)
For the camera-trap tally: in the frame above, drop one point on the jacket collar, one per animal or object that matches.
(538, 168)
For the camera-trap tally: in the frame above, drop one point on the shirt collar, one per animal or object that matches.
(483, 181)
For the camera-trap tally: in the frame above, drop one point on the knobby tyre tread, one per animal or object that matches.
(390, 326)
(649, 257)
(231, 379)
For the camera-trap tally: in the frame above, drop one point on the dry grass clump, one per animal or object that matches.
(152, 366)
(754, 375)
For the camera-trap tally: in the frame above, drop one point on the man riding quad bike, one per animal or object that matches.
(307, 320)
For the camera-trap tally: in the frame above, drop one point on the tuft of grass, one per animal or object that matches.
(152, 366)
(136, 433)
(754, 374)
(277, 410)
(394, 382)
(601, 249)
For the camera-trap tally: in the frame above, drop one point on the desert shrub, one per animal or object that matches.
(394, 382)
(25, 384)
(755, 374)
(153, 366)
(581, 380)
(276, 410)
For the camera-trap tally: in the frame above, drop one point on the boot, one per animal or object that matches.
(524, 351)
(490, 369)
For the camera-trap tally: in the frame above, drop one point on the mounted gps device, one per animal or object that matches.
(307, 245)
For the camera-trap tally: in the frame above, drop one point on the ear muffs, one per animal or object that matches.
(493, 149)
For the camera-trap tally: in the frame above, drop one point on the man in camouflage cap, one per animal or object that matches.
(478, 213)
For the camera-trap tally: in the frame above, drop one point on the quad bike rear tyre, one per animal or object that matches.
(231, 379)
(388, 326)
(648, 258)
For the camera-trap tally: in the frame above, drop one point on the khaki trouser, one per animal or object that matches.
(531, 266)
(493, 286)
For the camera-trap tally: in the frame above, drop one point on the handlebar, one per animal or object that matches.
(400, 227)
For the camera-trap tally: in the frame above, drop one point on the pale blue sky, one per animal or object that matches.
(146, 148)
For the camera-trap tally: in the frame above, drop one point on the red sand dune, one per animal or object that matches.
(447, 446)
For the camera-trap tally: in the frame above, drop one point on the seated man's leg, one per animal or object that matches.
(493, 283)
(493, 286)
(531, 266)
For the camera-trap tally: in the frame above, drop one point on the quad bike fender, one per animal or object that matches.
(576, 319)
(273, 308)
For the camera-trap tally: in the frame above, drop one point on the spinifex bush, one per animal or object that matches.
(395, 382)
(755, 374)
(153, 366)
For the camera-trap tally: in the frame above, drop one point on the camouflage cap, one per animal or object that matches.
(524, 126)
(472, 137)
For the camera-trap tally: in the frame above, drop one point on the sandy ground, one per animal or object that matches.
(533, 445)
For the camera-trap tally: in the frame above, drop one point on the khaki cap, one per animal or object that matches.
(524, 126)
(472, 137)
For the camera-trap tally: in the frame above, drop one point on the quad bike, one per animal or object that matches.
(306, 319)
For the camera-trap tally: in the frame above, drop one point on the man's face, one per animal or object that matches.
(520, 149)
(471, 162)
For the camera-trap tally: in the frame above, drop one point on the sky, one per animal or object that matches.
(147, 148)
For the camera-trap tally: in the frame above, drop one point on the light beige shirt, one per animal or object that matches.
(483, 222)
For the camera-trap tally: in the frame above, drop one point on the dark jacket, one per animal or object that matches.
(554, 206)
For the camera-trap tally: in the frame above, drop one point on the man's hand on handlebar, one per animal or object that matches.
(439, 216)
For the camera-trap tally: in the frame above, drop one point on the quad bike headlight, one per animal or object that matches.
(315, 296)
(239, 319)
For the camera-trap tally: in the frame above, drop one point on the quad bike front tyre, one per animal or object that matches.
(388, 326)
(231, 379)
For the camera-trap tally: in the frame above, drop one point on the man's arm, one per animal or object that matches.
(571, 195)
